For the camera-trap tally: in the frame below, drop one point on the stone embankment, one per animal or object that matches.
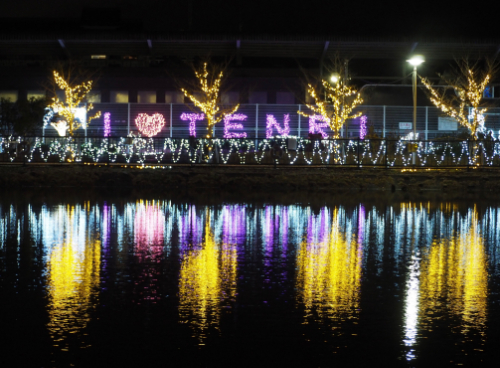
(243, 179)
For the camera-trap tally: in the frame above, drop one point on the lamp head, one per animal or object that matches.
(416, 60)
(335, 78)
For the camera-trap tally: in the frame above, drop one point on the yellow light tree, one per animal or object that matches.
(466, 105)
(71, 108)
(207, 98)
(336, 105)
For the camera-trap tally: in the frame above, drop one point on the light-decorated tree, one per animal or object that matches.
(462, 98)
(205, 95)
(72, 111)
(334, 104)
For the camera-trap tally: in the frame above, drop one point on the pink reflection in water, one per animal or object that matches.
(149, 224)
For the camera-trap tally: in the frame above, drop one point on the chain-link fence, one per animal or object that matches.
(380, 122)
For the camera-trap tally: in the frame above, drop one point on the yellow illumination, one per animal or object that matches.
(454, 277)
(468, 94)
(207, 279)
(329, 275)
(337, 105)
(74, 97)
(208, 101)
(73, 281)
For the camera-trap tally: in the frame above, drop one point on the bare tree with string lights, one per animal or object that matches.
(68, 114)
(206, 96)
(334, 103)
(462, 99)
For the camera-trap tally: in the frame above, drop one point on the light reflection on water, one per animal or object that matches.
(328, 255)
(73, 267)
(455, 279)
(207, 280)
(329, 271)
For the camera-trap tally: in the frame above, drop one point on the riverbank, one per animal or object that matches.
(243, 179)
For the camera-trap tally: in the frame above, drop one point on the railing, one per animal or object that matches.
(276, 151)
(388, 122)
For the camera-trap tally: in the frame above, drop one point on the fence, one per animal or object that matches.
(386, 121)
(257, 151)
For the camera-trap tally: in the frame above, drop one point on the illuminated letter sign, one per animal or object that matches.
(107, 124)
(362, 127)
(192, 121)
(315, 127)
(272, 123)
(150, 125)
(228, 125)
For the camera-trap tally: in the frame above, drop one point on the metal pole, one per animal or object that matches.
(298, 131)
(414, 102)
(426, 122)
(128, 119)
(170, 120)
(86, 123)
(256, 127)
(383, 122)
(346, 63)
(414, 82)
(256, 121)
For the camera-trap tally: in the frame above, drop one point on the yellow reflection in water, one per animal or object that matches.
(73, 278)
(207, 279)
(454, 278)
(329, 275)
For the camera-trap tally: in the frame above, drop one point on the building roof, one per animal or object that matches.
(117, 42)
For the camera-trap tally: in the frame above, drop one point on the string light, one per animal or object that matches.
(271, 124)
(336, 106)
(228, 125)
(362, 127)
(469, 91)
(317, 128)
(150, 125)
(192, 118)
(61, 126)
(139, 150)
(70, 109)
(208, 102)
(107, 124)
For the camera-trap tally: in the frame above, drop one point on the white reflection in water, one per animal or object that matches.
(411, 306)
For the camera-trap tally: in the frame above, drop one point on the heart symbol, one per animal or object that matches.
(150, 125)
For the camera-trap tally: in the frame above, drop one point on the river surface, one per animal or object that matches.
(116, 281)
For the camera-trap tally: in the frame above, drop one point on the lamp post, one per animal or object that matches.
(416, 60)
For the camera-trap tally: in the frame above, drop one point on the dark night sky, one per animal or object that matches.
(416, 20)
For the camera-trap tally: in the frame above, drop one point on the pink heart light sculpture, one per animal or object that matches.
(150, 125)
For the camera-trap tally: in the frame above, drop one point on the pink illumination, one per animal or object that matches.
(315, 127)
(149, 226)
(362, 127)
(107, 124)
(272, 123)
(228, 125)
(149, 229)
(150, 125)
(192, 121)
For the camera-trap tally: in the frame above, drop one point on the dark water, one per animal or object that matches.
(93, 281)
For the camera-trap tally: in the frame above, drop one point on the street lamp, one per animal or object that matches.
(416, 60)
(335, 78)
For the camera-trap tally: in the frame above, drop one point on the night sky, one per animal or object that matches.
(416, 20)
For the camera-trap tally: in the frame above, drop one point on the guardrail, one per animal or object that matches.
(274, 151)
